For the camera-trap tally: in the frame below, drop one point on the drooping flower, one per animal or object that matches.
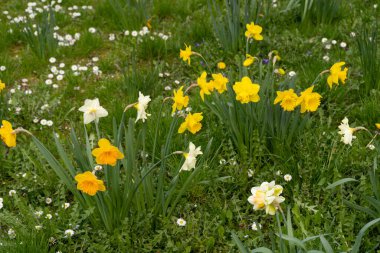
(92, 111)
(141, 106)
(309, 100)
(347, 132)
(89, 183)
(7, 134)
(2, 85)
(220, 82)
(336, 74)
(288, 99)
(181, 222)
(180, 101)
(206, 87)
(254, 31)
(249, 59)
(192, 123)
(191, 157)
(106, 153)
(221, 65)
(246, 91)
(266, 196)
(185, 54)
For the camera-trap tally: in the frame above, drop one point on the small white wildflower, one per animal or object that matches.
(66, 205)
(168, 87)
(255, 226)
(126, 33)
(177, 82)
(181, 222)
(43, 122)
(74, 67)
(250, 173)
(328, 46)
(98, 168)
(11, 233)
(326, 58)
(371, 146)
(324, 40)
(48, 201)
(287, 177)
(1, 203)
(160, 74)
(3, 68)
(69, 232)
(222, 161)
(91, 30)
(111, 37)
(333, 42)
(49, 216)
(95, 59)
(48, 82)
(292, 73)
(278, 173)
(52, 60)
(38, 227)
(134, 33)
(12, 193)
(353, 34)
(38, 214)
(343, 44)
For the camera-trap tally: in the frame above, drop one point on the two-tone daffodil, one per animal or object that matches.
(191, 157)
(106, 153)
(141, 106)
(92, 111)
(89, 183)
(266, 196)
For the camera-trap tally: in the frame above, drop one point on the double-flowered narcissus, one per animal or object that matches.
(219, 82)
(7, 134)
(246, 91)
(254, 31)
(92, 111)
(309, 100)
(89, 183)
(186, 54)
(192, 123)
(141, 106)
(266, 196)
(106, 153)
(2, 86)
(191, 157)
(288, 99)
(180, 101)
(337, 74)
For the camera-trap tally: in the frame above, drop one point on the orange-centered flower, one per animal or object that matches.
(89, 183)
(185, 54)
(106, 153)
(7, 134)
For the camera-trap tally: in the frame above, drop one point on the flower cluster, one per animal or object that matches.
(308, 100)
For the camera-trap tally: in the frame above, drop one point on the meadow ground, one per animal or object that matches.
(189, 126)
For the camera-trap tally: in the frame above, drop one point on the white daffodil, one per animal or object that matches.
(191, 157)
(266, 196)
(347, 132)
(92, 111)
(141, 106)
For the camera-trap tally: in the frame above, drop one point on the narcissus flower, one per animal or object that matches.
(246, 91)
(378, 125)
(309, 100)
(347, 132)
(185, 54)
(92, 111)
(288, 99)
(253, 31)
(106, 153)
(191, 157)
(192, 123)
(280, 71)
(89, 183)
(7, 134)
(336, 74)
(221, 65)
(220, 82)
(141, 106)
(249, 59)
(2, 86)
(266, 196)
(206, 87)
(180, 101)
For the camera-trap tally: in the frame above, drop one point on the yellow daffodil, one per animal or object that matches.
(89, 183)
(106, 153)
(309, 100)
(336, 74)
(249, 59)
(206, 87)
(221, 65)
(192, 123)
(280, 71)
(266, 196)
(253, 31)
(220, 82)
(7, 134)
(149, 24)
(288, 99)
(246, 91)
(2, 86)
(180, 101)
(378, 125)
(185, 54)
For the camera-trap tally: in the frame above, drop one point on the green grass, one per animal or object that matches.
(213, 197)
